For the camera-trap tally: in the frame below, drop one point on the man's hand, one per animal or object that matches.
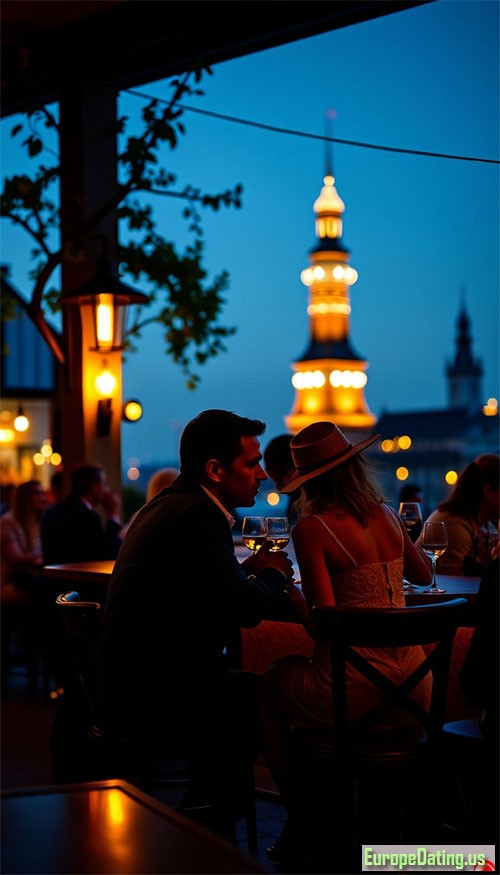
(111, 504)
(280, 560)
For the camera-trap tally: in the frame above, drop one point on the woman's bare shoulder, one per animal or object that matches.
(306, 525)
(387, 512)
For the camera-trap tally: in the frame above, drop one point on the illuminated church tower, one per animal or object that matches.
(329, 378)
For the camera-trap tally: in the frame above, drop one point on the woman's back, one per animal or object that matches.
(376, 582)
(379, 541)
(343, 561)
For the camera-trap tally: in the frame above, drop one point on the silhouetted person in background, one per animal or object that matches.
(6, 494)
(56, 491)
(473, 502)
(72, 531)
(21, 549)
(23, 603)
(159, 480)
(279, 465)
(412, 492)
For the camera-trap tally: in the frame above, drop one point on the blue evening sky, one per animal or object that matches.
(423, 231)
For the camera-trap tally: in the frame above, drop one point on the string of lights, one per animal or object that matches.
(307, 135)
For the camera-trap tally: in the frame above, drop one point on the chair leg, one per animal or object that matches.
(31, 670)
(251, 823)
(472, 798)
(194, 806)
(19, 649)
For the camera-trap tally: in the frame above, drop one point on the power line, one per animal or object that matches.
(309, 136)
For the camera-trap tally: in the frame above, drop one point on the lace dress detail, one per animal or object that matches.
(376, 585)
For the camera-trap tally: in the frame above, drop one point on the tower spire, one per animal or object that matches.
(329, 378)
(465, 372)
(330, 115)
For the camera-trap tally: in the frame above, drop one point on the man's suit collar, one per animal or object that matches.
(230, 518)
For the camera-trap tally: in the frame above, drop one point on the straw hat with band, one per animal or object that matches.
(317, 448)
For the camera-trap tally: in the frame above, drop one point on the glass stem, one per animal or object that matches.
(433, 584)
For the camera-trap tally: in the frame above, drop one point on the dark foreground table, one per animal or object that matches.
(108, 828)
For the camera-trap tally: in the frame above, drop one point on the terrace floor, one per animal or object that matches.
(26, 724)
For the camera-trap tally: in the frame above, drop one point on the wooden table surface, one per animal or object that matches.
(454, 587)
(100, 572)
(108, 828)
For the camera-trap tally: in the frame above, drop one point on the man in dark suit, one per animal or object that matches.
(72, 531)
(176, 601)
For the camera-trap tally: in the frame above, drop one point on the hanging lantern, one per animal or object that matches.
(109, 298)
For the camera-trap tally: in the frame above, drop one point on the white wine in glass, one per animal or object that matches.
(278, 531)
(411, 515)
(253, 532)
(434, 543)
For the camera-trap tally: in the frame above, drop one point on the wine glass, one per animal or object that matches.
(278, 531)
(410, 513)
(253, 532)
(434, 543)
(488, 536)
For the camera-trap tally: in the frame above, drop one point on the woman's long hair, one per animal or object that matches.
(350, 488)
(465, 497)
(22, 508)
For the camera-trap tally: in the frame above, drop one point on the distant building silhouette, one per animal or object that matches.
(28, 378)
(464, 373)
(441, 440)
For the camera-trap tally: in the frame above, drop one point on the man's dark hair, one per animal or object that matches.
(56, 480)
(84, 476)
(57, 484)
(214, 434)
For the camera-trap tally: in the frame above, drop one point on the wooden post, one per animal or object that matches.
(88, 184)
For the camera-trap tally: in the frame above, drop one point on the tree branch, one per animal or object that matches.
(34, 308)
(124, 190)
